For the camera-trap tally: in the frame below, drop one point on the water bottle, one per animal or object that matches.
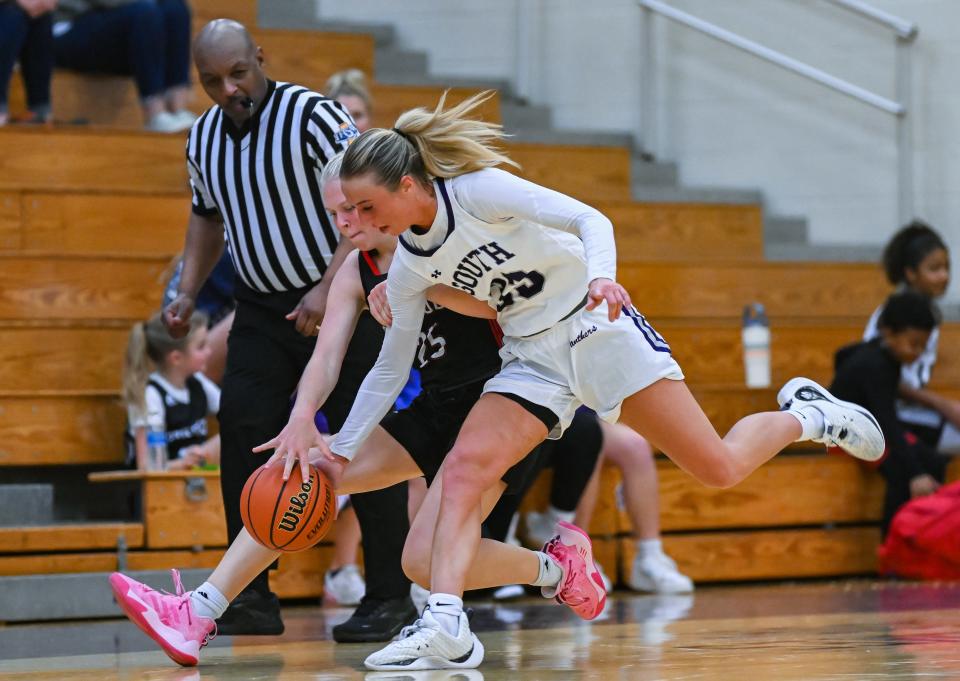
(756, 346)
(156, 447)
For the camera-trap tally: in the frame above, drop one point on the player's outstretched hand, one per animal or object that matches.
(608, 290)
(293, 444)
(379, 307)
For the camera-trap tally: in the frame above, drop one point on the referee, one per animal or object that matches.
(254, 161)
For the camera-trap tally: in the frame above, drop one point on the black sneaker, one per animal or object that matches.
(252, 614)
(376, 620)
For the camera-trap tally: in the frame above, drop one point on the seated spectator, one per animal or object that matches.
(869, 374)
(917, 259)
(163, 387)
(26, 34)
(148, 39)
(349, 87)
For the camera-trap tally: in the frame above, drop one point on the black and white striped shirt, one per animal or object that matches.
(263, 180)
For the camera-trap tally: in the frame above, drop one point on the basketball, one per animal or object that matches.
(287, 516)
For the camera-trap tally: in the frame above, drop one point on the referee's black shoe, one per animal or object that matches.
(376, 620)
(252, 613)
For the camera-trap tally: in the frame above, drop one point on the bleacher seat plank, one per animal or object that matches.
(69, 537)
(80, 287)
(139, 162)
(10, 221)
(61, 358)
(91, 161)
(57, 429)
(805, 290)
(68, 222)
(586, 173)
(769, 554)
(392, 100)
(810, 489)
(133, 223)
(52, 564)
(667, 231)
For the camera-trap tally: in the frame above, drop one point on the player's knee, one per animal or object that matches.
(722, 472)
(463, 476)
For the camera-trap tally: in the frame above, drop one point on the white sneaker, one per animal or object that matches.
(425, 645)
(164, 122)
(419, 596)
(184, 118)
(344, 588)
(542, 527)
(846, 425)
(509, 592)
(658, 574)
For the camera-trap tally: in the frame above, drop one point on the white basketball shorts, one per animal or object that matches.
(586, 359)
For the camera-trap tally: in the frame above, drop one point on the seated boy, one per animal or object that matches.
(868, 373)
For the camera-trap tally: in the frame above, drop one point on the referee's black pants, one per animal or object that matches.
(265, 359)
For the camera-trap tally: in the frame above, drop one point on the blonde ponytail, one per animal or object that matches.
(426, 144)
(136, 368)
(147, 349)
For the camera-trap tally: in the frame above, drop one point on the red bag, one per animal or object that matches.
(924, 538)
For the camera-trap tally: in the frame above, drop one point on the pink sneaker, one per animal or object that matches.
(581, 586)
(166, 618)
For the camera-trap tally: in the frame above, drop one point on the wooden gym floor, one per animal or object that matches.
(799, 632)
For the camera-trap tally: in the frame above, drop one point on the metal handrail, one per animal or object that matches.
(775, 57)
(905, 30)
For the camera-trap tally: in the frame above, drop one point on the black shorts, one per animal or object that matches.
(428, 428)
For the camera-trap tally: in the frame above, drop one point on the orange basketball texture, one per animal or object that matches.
(290, 516)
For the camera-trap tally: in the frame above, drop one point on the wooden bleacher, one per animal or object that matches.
(90, 217)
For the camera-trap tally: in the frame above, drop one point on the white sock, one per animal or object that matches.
(811, 421)
(549, 576)
(446, 609)
(649, 548)
(557, 514)
(207, 601)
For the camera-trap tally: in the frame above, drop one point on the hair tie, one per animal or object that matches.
(404, 136)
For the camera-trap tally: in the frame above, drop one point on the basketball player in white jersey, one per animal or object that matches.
(547, 263)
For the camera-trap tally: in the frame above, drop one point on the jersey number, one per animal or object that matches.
(431, 347)
(521, 284)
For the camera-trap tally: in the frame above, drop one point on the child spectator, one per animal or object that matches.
(916, 259)
(26, 34)
(146, 39)
(163, 387)
(869, 373)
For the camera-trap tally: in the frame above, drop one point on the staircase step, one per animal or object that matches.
(72, 596)
(394, 65)
(517, 115)
(785, 229)
(676, 194)
(822, 252)
(595, 138)
(653, 173)
(26, 504)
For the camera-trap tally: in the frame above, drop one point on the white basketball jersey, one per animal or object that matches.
(532, 275)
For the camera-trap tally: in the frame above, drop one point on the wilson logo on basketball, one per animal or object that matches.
(298, 502)
(321, 524)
